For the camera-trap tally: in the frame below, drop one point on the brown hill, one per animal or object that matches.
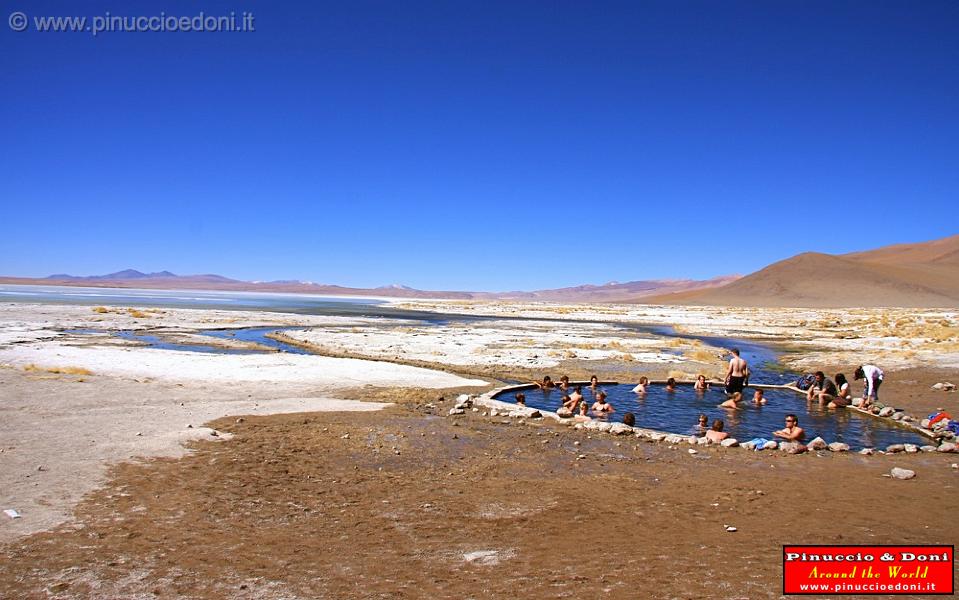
(905, 275)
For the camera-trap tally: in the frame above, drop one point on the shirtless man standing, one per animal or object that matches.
(736, 376)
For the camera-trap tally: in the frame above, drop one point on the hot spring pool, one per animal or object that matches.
(678, 412)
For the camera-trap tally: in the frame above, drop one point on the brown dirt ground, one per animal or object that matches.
(290, 508)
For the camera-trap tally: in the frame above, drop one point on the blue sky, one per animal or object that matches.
(483, 145)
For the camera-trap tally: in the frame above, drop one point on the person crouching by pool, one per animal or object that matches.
(701, 385)
(792, 432)
(521, 399)
(641, 386)
(716, 433)
(545, 384)
(566, 410)
(601, 406)
(843, 393)
(822, 389)
(670, 385)
(629, 419)
(759, 398)
(873, 379)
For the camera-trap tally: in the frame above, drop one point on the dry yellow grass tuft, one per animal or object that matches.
(33, 368)
(701, 355)
(137, 314)
(100, 309)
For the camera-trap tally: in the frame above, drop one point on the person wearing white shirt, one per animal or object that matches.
(872, 376)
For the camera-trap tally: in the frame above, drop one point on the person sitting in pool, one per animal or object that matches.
(568, 407)
(629, 419)
(521, 399)
(563, 383)
(577, 394)
(759, 398)
(716, 433)
(703, 424)
(792, 432)
(545, 384)
(701, 385)
(822, 389)
(601, 406)
(732, 401)
(670, 385)
(843, 393)
(582, 415)
(593, 382)
(641, 386)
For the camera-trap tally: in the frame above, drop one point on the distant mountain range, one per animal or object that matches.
(924, 274)
(611, 292)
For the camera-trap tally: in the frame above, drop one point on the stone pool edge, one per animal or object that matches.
(500, 408)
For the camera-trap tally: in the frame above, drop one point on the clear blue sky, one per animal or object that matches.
(478, 145)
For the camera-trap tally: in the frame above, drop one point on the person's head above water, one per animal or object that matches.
(629, 419)
(791, 419)
(564, 379)
(521, 398)
(601, 396)
(671, 382)
(718, 425)
(703, 420)
(593, 380)
(644, 380)
(758, 394)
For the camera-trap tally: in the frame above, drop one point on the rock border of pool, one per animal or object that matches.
(945, 440)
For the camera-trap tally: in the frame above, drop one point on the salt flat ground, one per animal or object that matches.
(390, 502)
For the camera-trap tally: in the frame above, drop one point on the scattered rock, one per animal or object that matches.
(893, 448)
(533, 415)
(139, 434)
(703, 441)
(345, 436)
(770, 445)
(887, 411)
(457, 411)
(867, 452)
(730, 528)
(729, 443)
(898, 416)
(215, 433)
(947, 447)
(692, 451)
(620, 429)
(898, 473)
(792, 447)
(928, 448)
(189, 426)
(910, 448)
(818, 444)
(41, 468)
(838, 447)
(944, 387)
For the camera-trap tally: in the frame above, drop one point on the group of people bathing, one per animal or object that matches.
(574, 403)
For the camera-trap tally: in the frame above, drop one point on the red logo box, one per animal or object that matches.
(866, 570)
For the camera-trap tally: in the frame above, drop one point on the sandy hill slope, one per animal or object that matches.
(909, 275)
